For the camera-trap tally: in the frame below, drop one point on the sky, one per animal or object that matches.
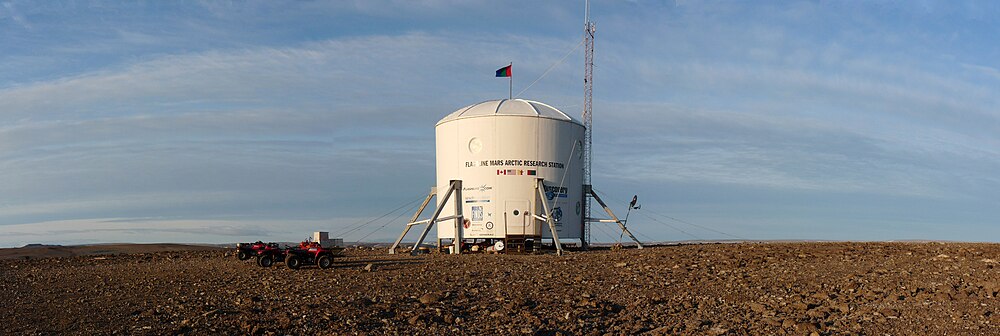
(220, 121)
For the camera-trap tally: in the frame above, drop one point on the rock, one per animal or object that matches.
(799, 306)
(284, 322)
(370, 267)
(717, 330)
(817, 313)
(430, 298)
(806, 327)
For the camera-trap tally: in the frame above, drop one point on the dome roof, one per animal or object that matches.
(509, 107)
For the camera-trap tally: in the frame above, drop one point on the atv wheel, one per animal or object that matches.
(293, 262)
(325, 261)
(243, 255)
(265, 261)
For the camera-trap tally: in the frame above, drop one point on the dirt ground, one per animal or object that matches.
(710, 289)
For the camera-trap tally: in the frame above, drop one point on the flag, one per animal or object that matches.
(504, 72)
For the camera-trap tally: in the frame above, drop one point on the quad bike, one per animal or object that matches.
(270, 254)
(246, 251)
(311, 253)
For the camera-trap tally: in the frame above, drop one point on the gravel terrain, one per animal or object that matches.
(710, 289)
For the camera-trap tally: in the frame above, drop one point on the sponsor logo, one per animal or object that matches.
(489, 225)
(477, 213)
(557, 214)
(479, 188)
(553, 192)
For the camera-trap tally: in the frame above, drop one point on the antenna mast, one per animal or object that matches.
(588, 120)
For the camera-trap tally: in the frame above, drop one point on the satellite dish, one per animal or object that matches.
(635, 198)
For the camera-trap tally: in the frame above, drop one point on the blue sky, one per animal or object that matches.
(190, 121)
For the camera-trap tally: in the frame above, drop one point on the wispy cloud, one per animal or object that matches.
(11, 13)
(273, 129)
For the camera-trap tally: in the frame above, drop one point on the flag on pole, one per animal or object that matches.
(505, 71)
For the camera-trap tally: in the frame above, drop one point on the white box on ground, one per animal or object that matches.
(323, 238)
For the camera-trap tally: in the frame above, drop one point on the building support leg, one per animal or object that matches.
(430, 195)
(437, 213)
(615, 218)
(584, 218)
(540, 188)
(456, 186)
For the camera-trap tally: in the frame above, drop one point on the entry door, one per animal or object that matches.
(516, 215)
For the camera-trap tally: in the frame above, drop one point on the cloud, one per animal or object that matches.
(12, 13)
(296, 132)
(350, 72)
(775, 101)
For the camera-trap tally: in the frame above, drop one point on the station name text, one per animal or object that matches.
(514, 163)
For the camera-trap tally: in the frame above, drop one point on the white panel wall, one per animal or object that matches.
(498, 159)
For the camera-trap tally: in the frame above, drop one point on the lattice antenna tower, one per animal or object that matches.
(588, 120)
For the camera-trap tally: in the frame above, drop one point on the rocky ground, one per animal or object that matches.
(712, 289)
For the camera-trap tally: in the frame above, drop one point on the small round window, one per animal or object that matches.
(475, 145)
(516, 212)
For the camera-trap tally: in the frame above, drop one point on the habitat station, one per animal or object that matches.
(510, 176)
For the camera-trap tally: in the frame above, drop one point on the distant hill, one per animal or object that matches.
(53, 251)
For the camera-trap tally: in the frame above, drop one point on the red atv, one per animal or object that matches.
(270, 254)
(246, 251)
(311, 253)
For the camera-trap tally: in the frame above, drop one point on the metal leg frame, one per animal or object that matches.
(430, 195)
(615, 218)
(456, 188)
(584, 224)
(540, 187)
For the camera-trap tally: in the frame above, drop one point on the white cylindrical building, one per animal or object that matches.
(498, 149)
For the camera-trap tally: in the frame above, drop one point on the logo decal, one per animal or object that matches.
(557, 214)
(477, 213)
